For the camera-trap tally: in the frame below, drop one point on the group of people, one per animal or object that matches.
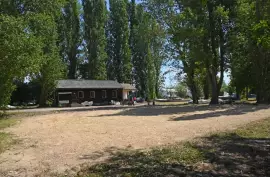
(132, 99)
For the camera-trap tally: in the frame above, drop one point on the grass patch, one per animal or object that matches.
(243, 152)
(6, 139)
(260, 129)
(7, 122)
(183, 153)
(255, 130)
(154, 162)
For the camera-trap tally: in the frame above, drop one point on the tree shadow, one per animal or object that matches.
(109, 151)
(237, 156)
(214, 111)
(230, 156)
(126, 162)
(163, 110)
(236, 110)
(49, 111)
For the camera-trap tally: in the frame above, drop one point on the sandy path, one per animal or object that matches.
(56, 142)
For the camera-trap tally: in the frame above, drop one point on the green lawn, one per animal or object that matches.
(6, 139)
(243, 152)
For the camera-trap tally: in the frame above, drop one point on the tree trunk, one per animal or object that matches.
(72, 65)
(215, 90)
(218, 61)
(263, 95)
(206, 88)
(194, 91)
(246, 93)
(190, 70)
(42, 98)
(157, 90)
(237, 94)
(195, 97)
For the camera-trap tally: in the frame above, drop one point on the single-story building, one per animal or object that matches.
(97, 91)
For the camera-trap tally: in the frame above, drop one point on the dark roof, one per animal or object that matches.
(128, 87)
(85, 84)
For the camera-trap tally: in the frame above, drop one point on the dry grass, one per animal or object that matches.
(56, 142)
(259, 129)
(7, 122)
(177, 103)
(6, 139)
(204, 157)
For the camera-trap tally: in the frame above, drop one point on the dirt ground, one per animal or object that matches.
(62, 141)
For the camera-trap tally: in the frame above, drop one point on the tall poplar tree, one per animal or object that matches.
(94, 29)
(119, 62)
(69, 36)
(132, 26)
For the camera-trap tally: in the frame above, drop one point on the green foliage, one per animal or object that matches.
(51, 68)
(231, 89)
(148, 53)
(70, 36)
(151, 76)
(250, 48)
(181, 90)
(198, 37)
(94, 32)
(29, 44)
(25, 92)
(119, 60)
(42, 39)
(20, 53)
(50, 72)
(224, 88)
(140, 50)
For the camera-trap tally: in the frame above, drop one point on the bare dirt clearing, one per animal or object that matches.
(56, 142)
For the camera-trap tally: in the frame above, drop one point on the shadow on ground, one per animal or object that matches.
(222, 156)
(237, 156)
(234, 110)
(214, 111)
(144, 110)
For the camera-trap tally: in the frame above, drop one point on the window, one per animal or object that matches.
(80, 94)
(104, 94)
(92, 94)
(114, 94)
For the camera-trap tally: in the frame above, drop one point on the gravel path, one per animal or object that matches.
(60, 141)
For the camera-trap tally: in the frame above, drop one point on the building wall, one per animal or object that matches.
(125, 94)
(86, 92)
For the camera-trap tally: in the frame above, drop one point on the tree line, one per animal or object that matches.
(211, 37)
(46, 40)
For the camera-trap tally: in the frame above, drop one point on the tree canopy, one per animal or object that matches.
(127, 41)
